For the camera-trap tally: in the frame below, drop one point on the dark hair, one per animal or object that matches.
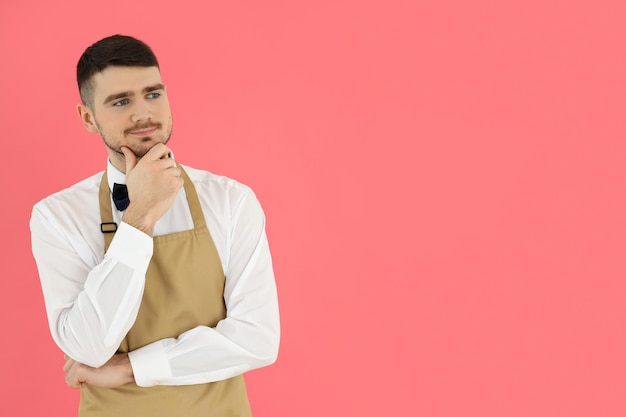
(116, 50)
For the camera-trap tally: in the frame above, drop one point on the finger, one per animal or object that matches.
(171, 155)
(73, 384)
(130, 158)
(158, 151)
(166, 163)
(69, 379)
(68, 365)
(168, 155)
(72, 376)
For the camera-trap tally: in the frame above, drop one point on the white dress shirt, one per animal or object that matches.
(92, 300)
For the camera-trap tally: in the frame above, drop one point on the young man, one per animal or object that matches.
(157, 278)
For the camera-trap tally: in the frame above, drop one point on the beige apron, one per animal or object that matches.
(184, 288)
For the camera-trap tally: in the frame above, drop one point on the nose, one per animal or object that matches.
(141, 112)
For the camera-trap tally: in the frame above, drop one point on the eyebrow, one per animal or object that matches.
(123, 94)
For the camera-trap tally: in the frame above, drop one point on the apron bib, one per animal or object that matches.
(184, 289)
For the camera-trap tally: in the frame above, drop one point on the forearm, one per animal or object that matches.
(205, 354)
(93, 327)
(91, 302)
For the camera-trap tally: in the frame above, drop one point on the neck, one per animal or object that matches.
(118, 161)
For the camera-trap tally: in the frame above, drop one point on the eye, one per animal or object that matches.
(153, 95)
(120, 103)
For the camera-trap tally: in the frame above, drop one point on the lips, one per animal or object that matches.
(143, 129)
(144, 132)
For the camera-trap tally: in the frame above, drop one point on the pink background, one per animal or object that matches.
(443, 182)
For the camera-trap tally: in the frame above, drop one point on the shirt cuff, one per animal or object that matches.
(132, 247)
(150, 364)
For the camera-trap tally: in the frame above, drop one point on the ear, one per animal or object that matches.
(86, 116)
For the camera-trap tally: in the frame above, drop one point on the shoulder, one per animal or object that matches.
(75, 199)
(218, 187)
(226, 202)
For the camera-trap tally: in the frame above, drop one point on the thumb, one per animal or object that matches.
(130, 158)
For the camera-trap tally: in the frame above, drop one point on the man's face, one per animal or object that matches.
(130, 108)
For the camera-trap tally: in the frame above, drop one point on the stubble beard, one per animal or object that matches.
(139, 153)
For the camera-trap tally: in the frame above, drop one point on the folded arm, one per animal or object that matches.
(248, 338)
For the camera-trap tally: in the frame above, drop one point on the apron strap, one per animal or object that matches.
(106, 214)
(192, 200)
